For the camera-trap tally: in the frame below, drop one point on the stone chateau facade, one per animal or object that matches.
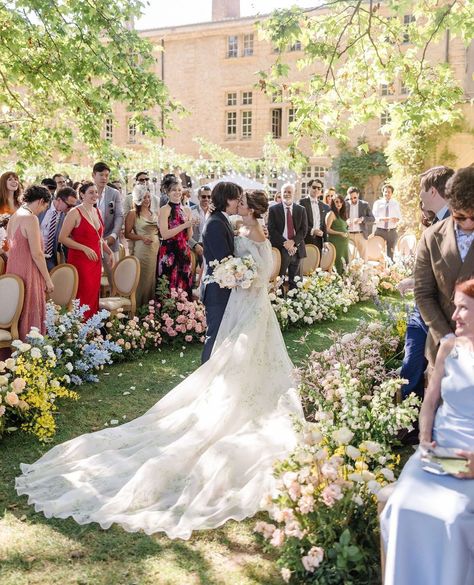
(211, 67)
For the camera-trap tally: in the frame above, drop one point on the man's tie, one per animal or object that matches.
(387, 214)
(290, 228)
(53, 224)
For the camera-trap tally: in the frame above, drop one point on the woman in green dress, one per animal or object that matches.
(336, 223)
(141, 226)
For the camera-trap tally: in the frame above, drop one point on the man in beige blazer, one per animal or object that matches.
(445, 255)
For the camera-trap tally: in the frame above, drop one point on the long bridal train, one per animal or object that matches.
(204, 453)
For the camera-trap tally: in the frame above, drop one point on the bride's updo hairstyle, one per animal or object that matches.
(258, 202)
(224, 192)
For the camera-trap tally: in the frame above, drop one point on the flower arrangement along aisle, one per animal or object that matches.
(324, 513)
(80, 349)
(29, 388)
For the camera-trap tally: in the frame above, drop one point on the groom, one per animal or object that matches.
(218, 242)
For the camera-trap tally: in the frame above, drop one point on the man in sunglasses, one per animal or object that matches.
(200, 213)
(316, 212)
(445, 255)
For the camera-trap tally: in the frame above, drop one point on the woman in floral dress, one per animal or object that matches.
(174, 257)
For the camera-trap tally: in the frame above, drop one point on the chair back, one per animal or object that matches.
(353, 251)
(12, 293)
(328, 257)
(193, 262)
(311, 262)
(122, 251)
(406, 245)
(125, 276)
(276, 255)
(376, 248)
(2, 266)
(66, 280)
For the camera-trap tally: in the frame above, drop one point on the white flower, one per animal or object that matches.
(3, 381)
(373, 486)
(388, 474)
(68, 352)
(35, 353)
(371, 446)
(69, 367)
(352, 452)
(342, 436)
(24, 347)
(34, 333)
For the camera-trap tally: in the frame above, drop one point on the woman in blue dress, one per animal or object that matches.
(428, 523)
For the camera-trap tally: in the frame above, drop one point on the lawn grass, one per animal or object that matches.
(37, 551)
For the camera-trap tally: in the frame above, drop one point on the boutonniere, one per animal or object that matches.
(111, 207)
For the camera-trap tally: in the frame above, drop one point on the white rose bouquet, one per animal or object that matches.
(232, 272)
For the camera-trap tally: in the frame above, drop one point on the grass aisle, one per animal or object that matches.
(36, 551)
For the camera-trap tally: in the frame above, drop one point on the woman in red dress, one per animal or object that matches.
(82, 234)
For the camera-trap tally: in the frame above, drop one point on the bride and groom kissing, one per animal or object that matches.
(204, 453)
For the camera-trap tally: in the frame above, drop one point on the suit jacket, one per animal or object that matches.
(276, 227)
(113, 215)
(218, 242)
(438, 267)
(323, 211)
(366, 214)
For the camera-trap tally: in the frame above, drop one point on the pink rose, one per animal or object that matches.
(11, 399)
(278, 538)
(188, 338)
(18, 385)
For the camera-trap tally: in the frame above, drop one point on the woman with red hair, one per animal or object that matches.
(10, 194)
(428, 523)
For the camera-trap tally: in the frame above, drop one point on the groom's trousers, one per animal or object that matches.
(215, 301)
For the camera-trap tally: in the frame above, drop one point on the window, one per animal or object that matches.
(296, 46)
(232, 98)
(404, 90)
(109, 129)
(247, 124)
(132, 132)
(248, 45)
(387, 89)
(247, 98)
(407, 20)
(231, 124)
(232, 46)
(276, 122)
(291, 115)
(384, 119)
(277, 96)
(309, 173)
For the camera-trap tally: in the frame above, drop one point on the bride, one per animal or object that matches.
(204, 453)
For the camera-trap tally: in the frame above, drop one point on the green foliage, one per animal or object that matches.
(69, 61)
(350, 50)
(355, 166)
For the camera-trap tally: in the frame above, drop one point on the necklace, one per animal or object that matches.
(27, 209)
(89, 216)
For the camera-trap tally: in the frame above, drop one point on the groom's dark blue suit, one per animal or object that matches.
(218, 242)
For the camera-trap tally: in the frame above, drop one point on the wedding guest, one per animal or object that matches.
(10, 199)
(316, 212)
(200, 213)
(141, 178)
(164, 182)
(51, 222)
(60, 181)
(428, 522)
(336, 225)
(110, 206)
(50, 184)
(141, 228)
(329, 196)
(277, 199)
(445, 255)
(432, 199)
(287, 228)
(186, 199)
(359, 221)
(387, 215)
(26, 258)
(82, 234)
(175, 223)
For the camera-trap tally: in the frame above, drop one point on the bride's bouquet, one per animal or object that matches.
(231, 272)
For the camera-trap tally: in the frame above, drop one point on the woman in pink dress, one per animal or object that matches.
(26, 258)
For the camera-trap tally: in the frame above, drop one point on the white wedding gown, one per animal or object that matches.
(204, 453)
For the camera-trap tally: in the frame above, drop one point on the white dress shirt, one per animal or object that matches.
(50, 212)
(380, 210)
(285, 207)
(316, 213)
(354, 214)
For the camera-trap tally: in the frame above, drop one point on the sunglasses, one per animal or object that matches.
(143, 180)
(461, 218)
(205, 196)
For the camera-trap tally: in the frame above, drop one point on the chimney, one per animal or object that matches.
(222, 9)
